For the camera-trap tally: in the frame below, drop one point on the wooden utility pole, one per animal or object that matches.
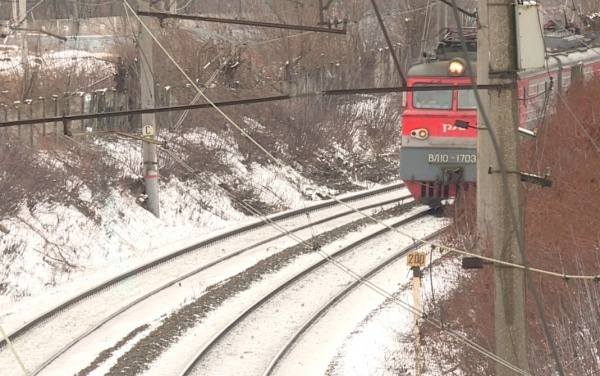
(498, 65)
(149, 156)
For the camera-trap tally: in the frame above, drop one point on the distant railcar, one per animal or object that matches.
(438, 154)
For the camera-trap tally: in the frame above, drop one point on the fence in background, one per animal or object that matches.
(376, 69)
(56, 106)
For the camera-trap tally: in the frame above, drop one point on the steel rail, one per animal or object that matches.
(251, 226)
(285, 285)
(338, 297)
(200, 269)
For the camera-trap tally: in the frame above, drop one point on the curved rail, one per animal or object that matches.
(202, 268)
(341, 294)
(251, 226)
(223, 332)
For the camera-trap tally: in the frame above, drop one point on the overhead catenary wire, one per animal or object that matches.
(281, 164)
(287, 169)
(441, 247)
(428, 19)
(562, 98)
(100, 4)
(174, 2)
(588, 347)
(377, 289)
(389, 42)
(14, 352)
(208, 82)
(562, 275)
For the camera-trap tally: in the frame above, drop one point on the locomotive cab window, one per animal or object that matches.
(467, 100)
(436, 99)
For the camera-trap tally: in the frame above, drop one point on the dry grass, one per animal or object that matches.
(561, 233)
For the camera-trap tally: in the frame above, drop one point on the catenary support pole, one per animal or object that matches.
(496, 64)
(22, 20)
(442, 20)
(149, 157)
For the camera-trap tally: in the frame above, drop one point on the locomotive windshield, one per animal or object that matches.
(466, 100)
(437, 99)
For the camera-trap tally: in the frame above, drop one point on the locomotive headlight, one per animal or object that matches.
(421, 133)
(456, 67)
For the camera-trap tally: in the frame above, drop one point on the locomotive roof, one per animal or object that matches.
(439, 67)
(565, 51)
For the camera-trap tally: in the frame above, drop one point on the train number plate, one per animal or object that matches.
(451, 158)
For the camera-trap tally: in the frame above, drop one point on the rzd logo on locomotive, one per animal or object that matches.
(449, 127)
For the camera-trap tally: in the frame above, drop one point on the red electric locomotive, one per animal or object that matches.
(439, 149)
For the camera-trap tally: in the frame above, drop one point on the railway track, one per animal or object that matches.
(231, 343)
(67, 316)
(277, 363)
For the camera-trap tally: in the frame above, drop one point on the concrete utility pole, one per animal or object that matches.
(76, 17)
(149, 157)
(18, 16)
(498, 65)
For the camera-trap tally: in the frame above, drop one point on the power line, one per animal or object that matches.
(562, 98)
(266, 99)
(358, 277)
(288, 169)
(437, 88)
(24, 14)
(15, 354)
(161, 16)
(389, 42)
(208, 82)
(216, 105)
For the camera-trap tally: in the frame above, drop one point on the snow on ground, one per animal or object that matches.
(75, 61)
(127, 235)
(373, 347)
(383, 344)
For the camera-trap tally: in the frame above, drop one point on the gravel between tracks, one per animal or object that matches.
(149, 348)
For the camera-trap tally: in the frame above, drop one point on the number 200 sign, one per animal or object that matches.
(416, 259)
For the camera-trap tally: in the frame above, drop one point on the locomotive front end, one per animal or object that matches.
(438, 153)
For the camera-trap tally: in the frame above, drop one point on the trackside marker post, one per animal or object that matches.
(416, 260)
